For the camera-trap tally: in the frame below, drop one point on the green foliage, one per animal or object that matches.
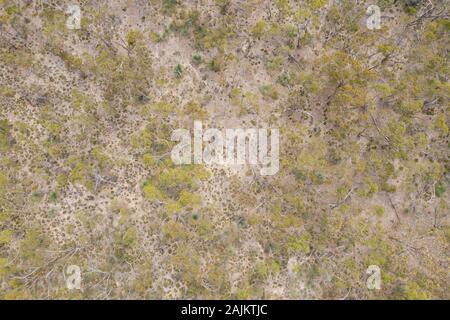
(145, 280)
(130, 238)
(440, 123)
(72, 61)
(275, 64)
(12, 10)
(236, 96)
(5, 138)
(410, 107)
(169, 6)
(3, 183)
(81, 173)
(7, 92)
(223, 5)
(5, 236)
(21, 59)
(317, 178)
(265, 269)
(188, 264)
(4, 217)
(368, 189)
(196, 59)
(3, 267)
(440, 189)
(219, 37)
(82, 102)
(155, 135)
(151, 192)
(217, 64)
(186, 21)
(176, 186)
(283, 6)
(174, 231)
(317, 4)
(302, 15)
(299, 174)
(301, 243)
(125, 239)
(178, 71)
(189, 199)
(345, 69)
(259, 28)
(285, 80)
(244, 293)
(196, 110)
(88, 220)
(269, 91)
(148, 160)
(101, 158)
(31, 247)
(133, 37)
(378, 210)
(134, 72)
(413, 291)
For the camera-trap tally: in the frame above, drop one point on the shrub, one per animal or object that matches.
(178, 71)
(151, 192)
(439, 189)
(5, 236)
(196, 59)
(259, 28)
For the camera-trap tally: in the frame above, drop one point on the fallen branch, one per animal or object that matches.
(395, 209)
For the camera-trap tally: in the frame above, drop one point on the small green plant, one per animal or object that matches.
(196, 59)
(318, 178)
(299, 174)
(223, 5)
(151, 192)
(133, 37)
(5, 236)
(169, 6)
(439, 189)
(148, 160)
(259, 28)
(216, 64)
(378, 210)
(53, 196)
(284, 79)
(269, 91)
(178, 71)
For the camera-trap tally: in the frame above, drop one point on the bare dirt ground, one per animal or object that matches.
(86, 177)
